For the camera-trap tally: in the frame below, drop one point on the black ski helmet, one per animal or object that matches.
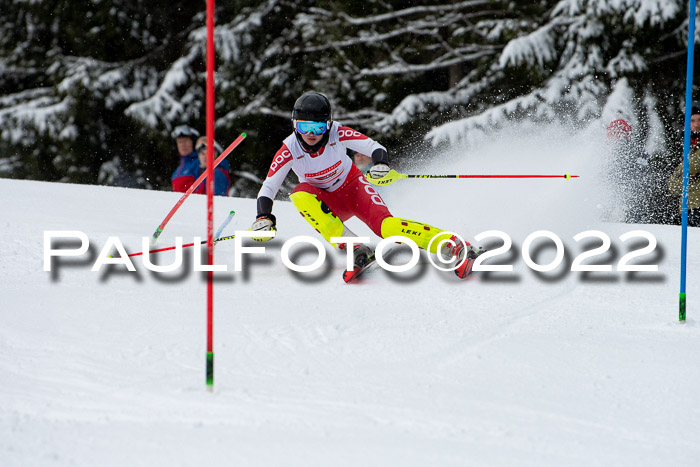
(315, 107)
(312, 106)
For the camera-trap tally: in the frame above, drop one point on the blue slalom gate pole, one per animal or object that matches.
(686, 156)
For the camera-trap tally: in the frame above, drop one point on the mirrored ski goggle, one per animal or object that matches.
(306, 127)
(203, 147)
(184, 131)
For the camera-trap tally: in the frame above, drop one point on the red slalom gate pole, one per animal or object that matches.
(210, 195)
(194, 186)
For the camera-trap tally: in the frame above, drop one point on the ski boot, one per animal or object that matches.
(363, 257)
(455, 249)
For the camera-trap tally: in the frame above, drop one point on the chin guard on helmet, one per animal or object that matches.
(313, 148)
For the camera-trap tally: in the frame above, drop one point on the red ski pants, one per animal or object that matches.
(356, 197)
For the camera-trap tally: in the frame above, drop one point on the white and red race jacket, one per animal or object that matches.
(326, 169)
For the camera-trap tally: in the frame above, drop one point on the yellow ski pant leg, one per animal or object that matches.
(324, 222)
(420, 233)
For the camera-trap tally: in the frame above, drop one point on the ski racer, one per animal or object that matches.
(332, 189)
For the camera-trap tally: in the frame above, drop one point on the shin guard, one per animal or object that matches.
(318, 215)
(420, 233)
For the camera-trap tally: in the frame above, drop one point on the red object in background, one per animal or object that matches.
(619, 129)
(182, 184)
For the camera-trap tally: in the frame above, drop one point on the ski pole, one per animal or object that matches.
(225, 223)
(203, 242)
(216, 239)
(393, 176)
(194, 186)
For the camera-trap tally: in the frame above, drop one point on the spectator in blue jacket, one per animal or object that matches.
(192, 152)
(187, 170)
(222, 180)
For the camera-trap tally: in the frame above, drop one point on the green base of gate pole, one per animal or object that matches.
(681, 308)
(210, 370)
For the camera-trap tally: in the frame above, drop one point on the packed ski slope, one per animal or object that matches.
(408, 369)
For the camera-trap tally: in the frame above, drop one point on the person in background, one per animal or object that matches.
(629, 171)
(695, 126)
(675, 182)
(191, 167)
(361, 161)
(188, 169)
(222, 179)
(626, 144)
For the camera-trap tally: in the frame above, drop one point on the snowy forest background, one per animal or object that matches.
(90, 90)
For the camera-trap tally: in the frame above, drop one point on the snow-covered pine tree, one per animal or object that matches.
(574, 56)
(67, 76)
(390, 64)
(87, 95)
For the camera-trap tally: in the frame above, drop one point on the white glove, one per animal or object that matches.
(379, 170)
(264, 223)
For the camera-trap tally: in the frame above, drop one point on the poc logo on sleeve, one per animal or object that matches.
(280, 159)
(348, 133)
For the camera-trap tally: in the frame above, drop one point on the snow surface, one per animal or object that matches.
(413, 369)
